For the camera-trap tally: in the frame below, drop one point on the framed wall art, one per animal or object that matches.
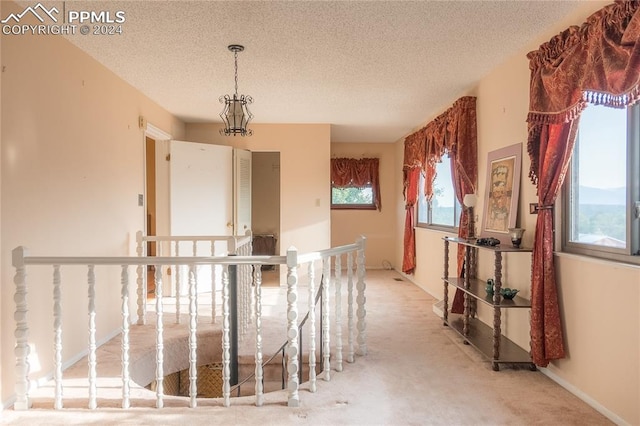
(501, 192)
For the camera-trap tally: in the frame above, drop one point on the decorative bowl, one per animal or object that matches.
(508, 293)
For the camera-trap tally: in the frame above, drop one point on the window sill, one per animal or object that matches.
(352, 207)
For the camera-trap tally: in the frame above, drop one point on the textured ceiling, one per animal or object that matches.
(374, 70)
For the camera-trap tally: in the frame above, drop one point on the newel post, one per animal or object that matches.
(292, 328)
(21, 349)
(361, 299)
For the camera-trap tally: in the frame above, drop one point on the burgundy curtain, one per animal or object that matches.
(353, 172)
(455, 132)
(464, 168)
(412, 164)
(411, 179)
(598, 62)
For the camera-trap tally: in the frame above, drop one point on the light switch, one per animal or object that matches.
(140, 200)
(317, 202)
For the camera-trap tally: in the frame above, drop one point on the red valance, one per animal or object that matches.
(597, 62)
(454, 131)
(354, 172)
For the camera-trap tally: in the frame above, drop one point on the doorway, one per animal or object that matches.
(265, 208)
(150, 189)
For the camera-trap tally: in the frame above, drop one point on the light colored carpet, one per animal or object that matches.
(417, 372)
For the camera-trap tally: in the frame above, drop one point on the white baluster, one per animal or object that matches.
(240, 302)
(361, 299)
(351, 324)
(259, 374)
(312, 327)
(126, 388)
(159, 339)
(193, 343)
(246, 283)
(178, 270)
(293, 348)
(213, 285)
(338, 302)
(141, 282)
(21, 349)
(326, 325)
(252, 303)
(226, 345)
(92, 337)
(57, 338)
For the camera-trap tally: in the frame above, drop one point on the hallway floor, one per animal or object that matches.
(416, 372)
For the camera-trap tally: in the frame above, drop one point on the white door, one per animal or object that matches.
(201, 199)
(201, 189)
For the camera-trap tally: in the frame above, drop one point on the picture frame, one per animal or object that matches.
(502, 190)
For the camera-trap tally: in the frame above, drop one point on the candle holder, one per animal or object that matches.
(469, 202)
(516, 236)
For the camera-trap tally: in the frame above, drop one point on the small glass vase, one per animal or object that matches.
(516, 236)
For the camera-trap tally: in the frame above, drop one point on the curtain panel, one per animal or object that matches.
(455, 132)
(411, 178)
(357, 172)
(597, 62)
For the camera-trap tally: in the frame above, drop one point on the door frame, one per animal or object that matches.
(157, 134)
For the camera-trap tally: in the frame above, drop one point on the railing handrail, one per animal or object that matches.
(150, 260)
(176, 260)
(189, 237)
(320, 254)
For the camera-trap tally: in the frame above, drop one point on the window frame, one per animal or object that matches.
(353, 206)
(630, 254)
(457, 212)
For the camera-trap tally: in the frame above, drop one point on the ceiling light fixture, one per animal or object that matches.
(236, 115)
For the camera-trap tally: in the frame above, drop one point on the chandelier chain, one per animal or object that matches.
(235, 54)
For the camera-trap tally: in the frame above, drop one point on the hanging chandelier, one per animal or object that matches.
(236, 115)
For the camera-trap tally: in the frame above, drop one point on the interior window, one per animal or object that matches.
(352, 197)
(601, 189)
(444, 209)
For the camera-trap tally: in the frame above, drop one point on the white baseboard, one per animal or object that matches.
(584, 397)
(438, 308)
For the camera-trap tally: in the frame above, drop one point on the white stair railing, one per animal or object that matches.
(293, 260)
(227, 245)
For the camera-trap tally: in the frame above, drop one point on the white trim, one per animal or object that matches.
(584, 397)
(156, 133)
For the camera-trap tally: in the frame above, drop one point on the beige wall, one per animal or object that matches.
(600, 301)
(72, 167)
(305, 220)
(377, 226)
